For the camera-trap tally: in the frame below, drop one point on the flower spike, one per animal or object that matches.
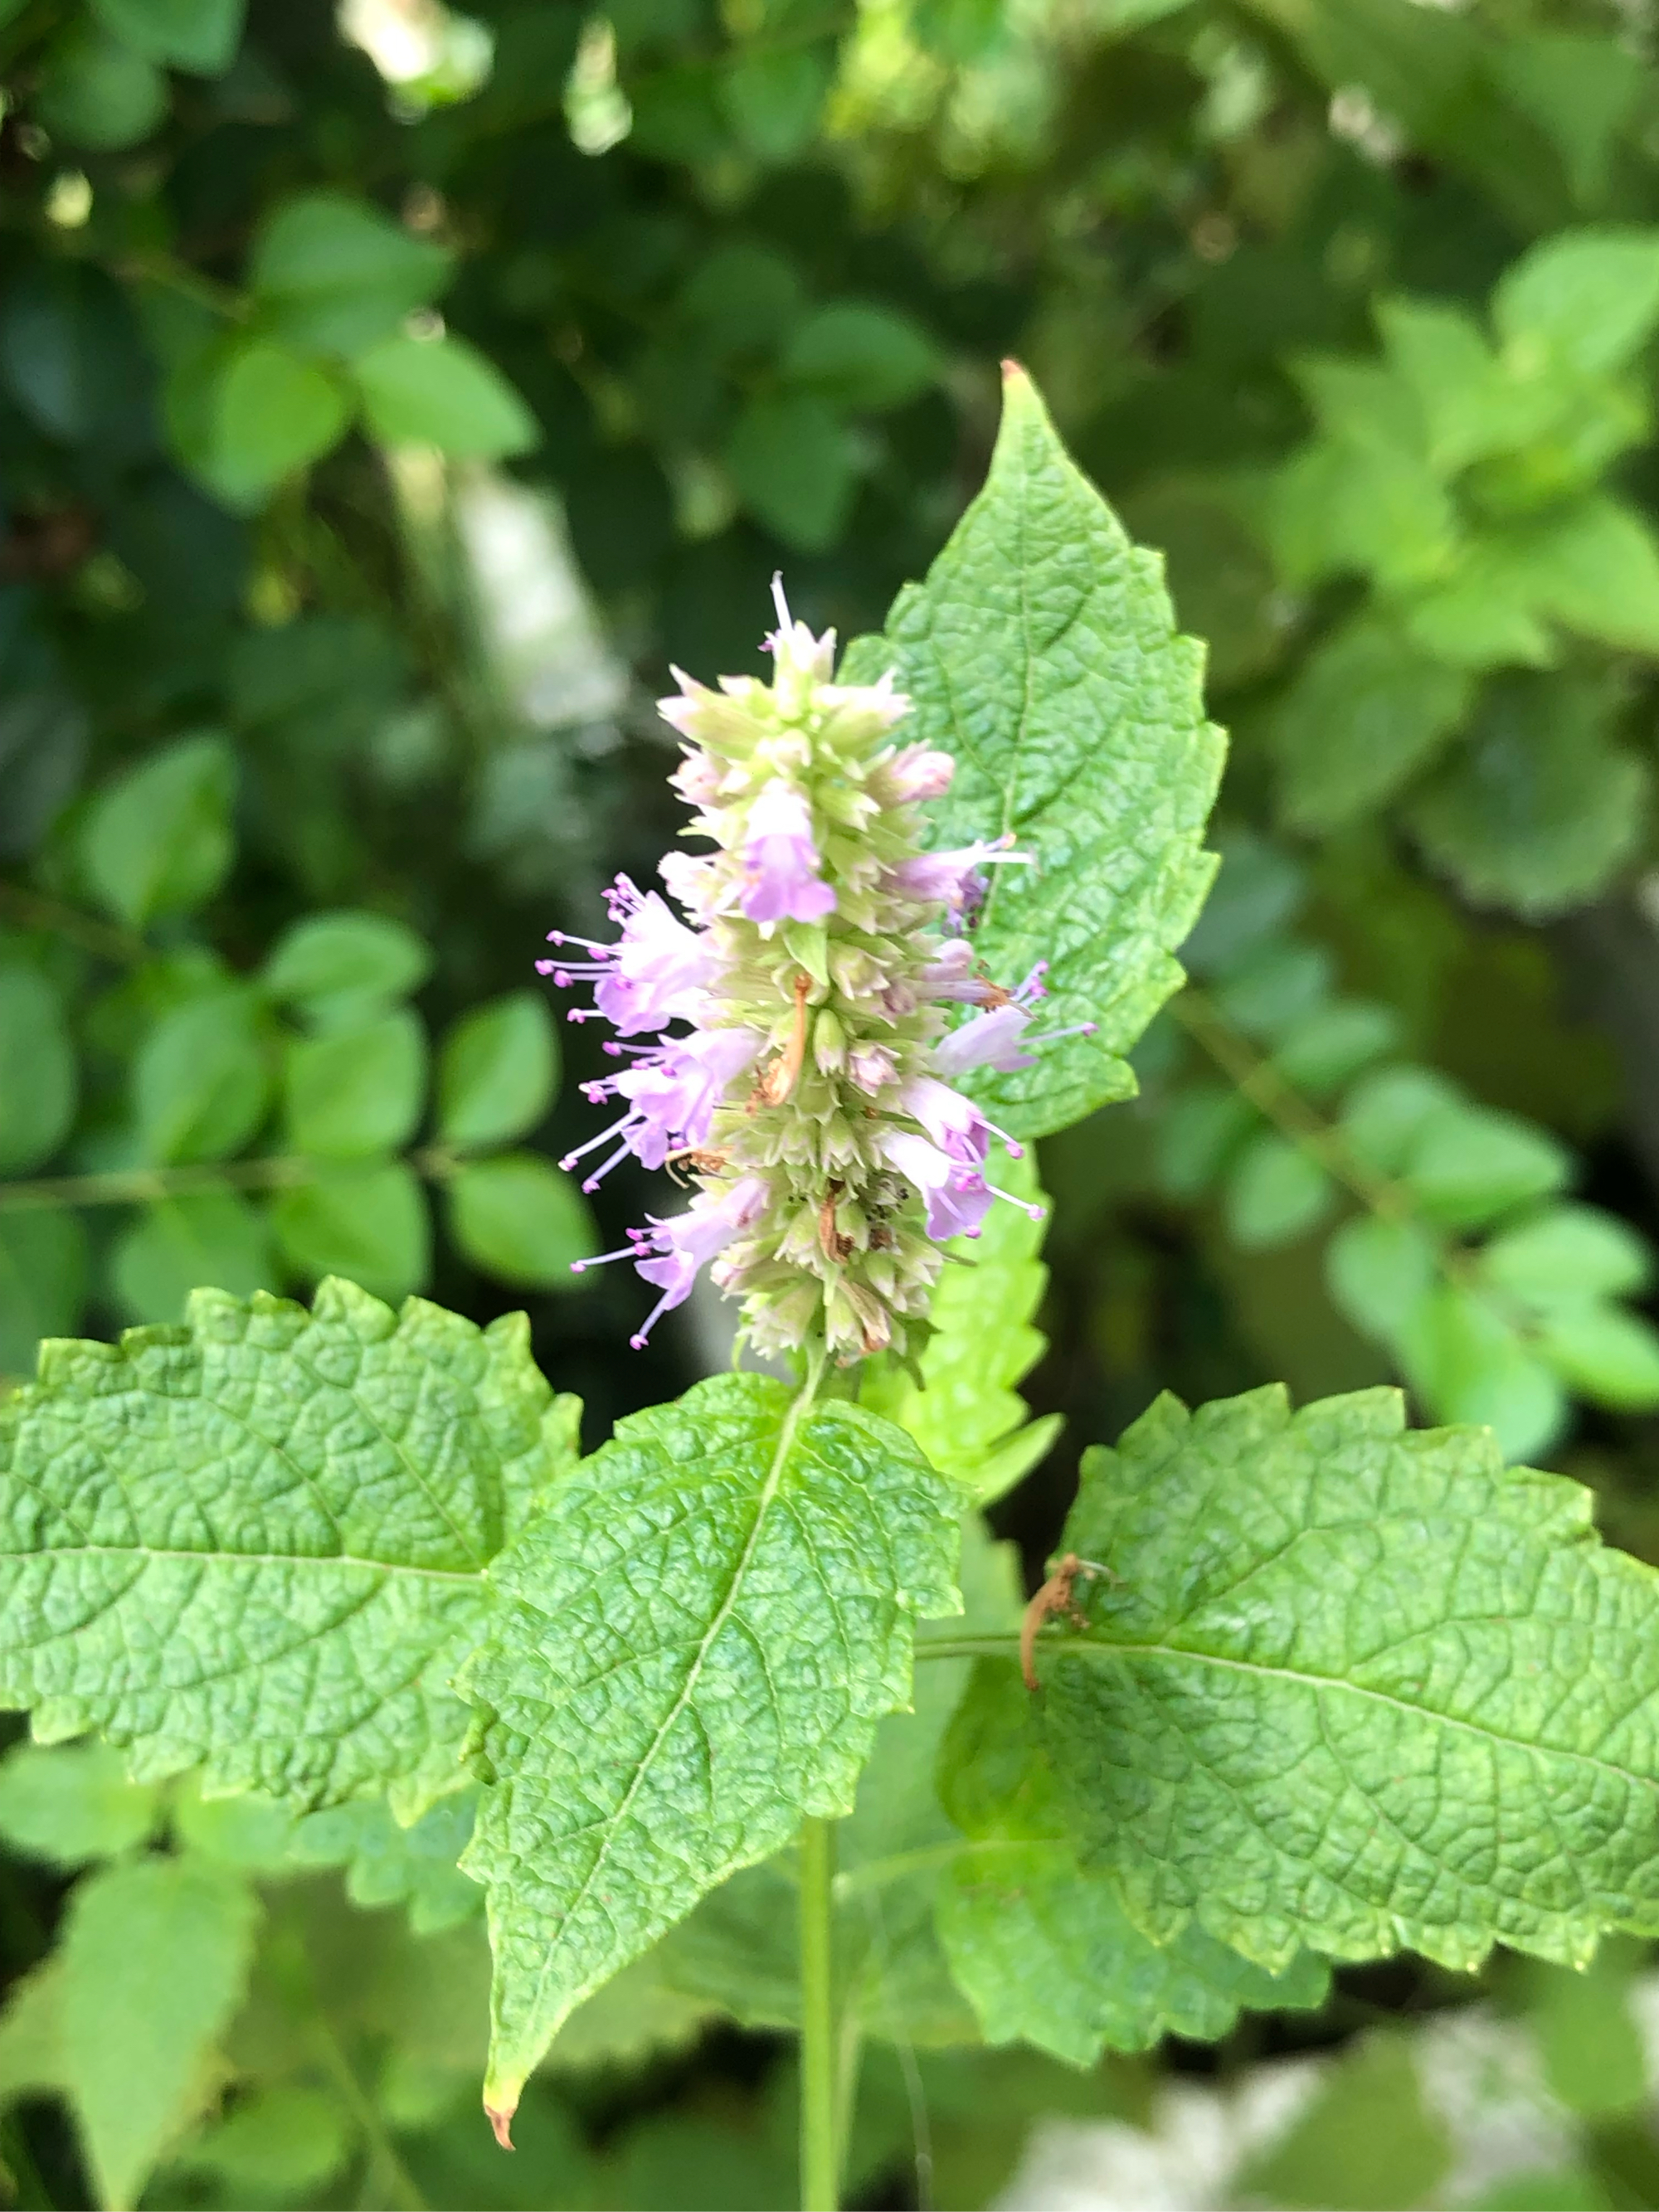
(802, 1065)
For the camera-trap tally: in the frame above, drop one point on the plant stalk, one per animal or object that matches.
(820, 2163)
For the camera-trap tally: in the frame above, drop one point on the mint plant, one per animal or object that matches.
(736, 1711)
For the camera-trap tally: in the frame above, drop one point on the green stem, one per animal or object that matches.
(387, 2176)
(144, 1186)
(819, 2113)
(33, 910)
(1256, 1078)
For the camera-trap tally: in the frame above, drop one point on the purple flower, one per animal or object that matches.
(988, 1040)
(871, 1066)
(677, 1089)
(781, 862)
(691, 1240)
(657, 971)
(952, 879)
(914, 772)
(956, 1196)
(673, 1089)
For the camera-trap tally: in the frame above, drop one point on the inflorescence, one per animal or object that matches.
(786, 1045)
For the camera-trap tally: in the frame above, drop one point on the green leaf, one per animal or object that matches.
(199, 35)
(267, 412)
(857, 355)
(442, 392)
(739, 1949)
(95, 92)
(282, 2144)
(339, 971)
(1591, 2047)
(71, 1803)
(521, 1217)
(1588, 300)
(1040, 653)
(250, 1831)
(336, 274)
(1042, 1947)
(357, 1091)
(257, 1544)
(1467, 1362)
(1466, 1165)
(773, 96)
(1471, 405)
(154, 1961)
(1199, 1132)
(1594, 566)
(1364, 712)
(1274, 1192)
(1581, 90)
(1274, 989)
(1379, 1273)
(387, 1863)
(497, 1071)
(1327, 1050)
(30, 2058)
(176, 1245)
(793, 461)
(368, 1223)
(1369, 2140)
(38, 1075)
(1354, 1689)
(158, 841)
(1566, 1254)
(1607, 1354)
(1343, 506)
(1386, 1113)
(690, 1651)
(962, 1404)
(43, 1281)
(201, 1081)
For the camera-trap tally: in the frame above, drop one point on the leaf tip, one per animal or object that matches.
(501, 2118)
(1013, 374)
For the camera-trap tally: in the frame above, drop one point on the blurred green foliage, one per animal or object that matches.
(384, 405)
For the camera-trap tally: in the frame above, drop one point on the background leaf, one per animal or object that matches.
(158, 841)
(155, 1956)
(38, 1079)
(522, 1219)
(497, 1071)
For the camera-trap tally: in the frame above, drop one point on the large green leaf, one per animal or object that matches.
(961, 1401)
(1042, 1946)
(1041, 652)
(1355, 1688)
(739, 1949)
(691, 1650)
(257, 1543)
